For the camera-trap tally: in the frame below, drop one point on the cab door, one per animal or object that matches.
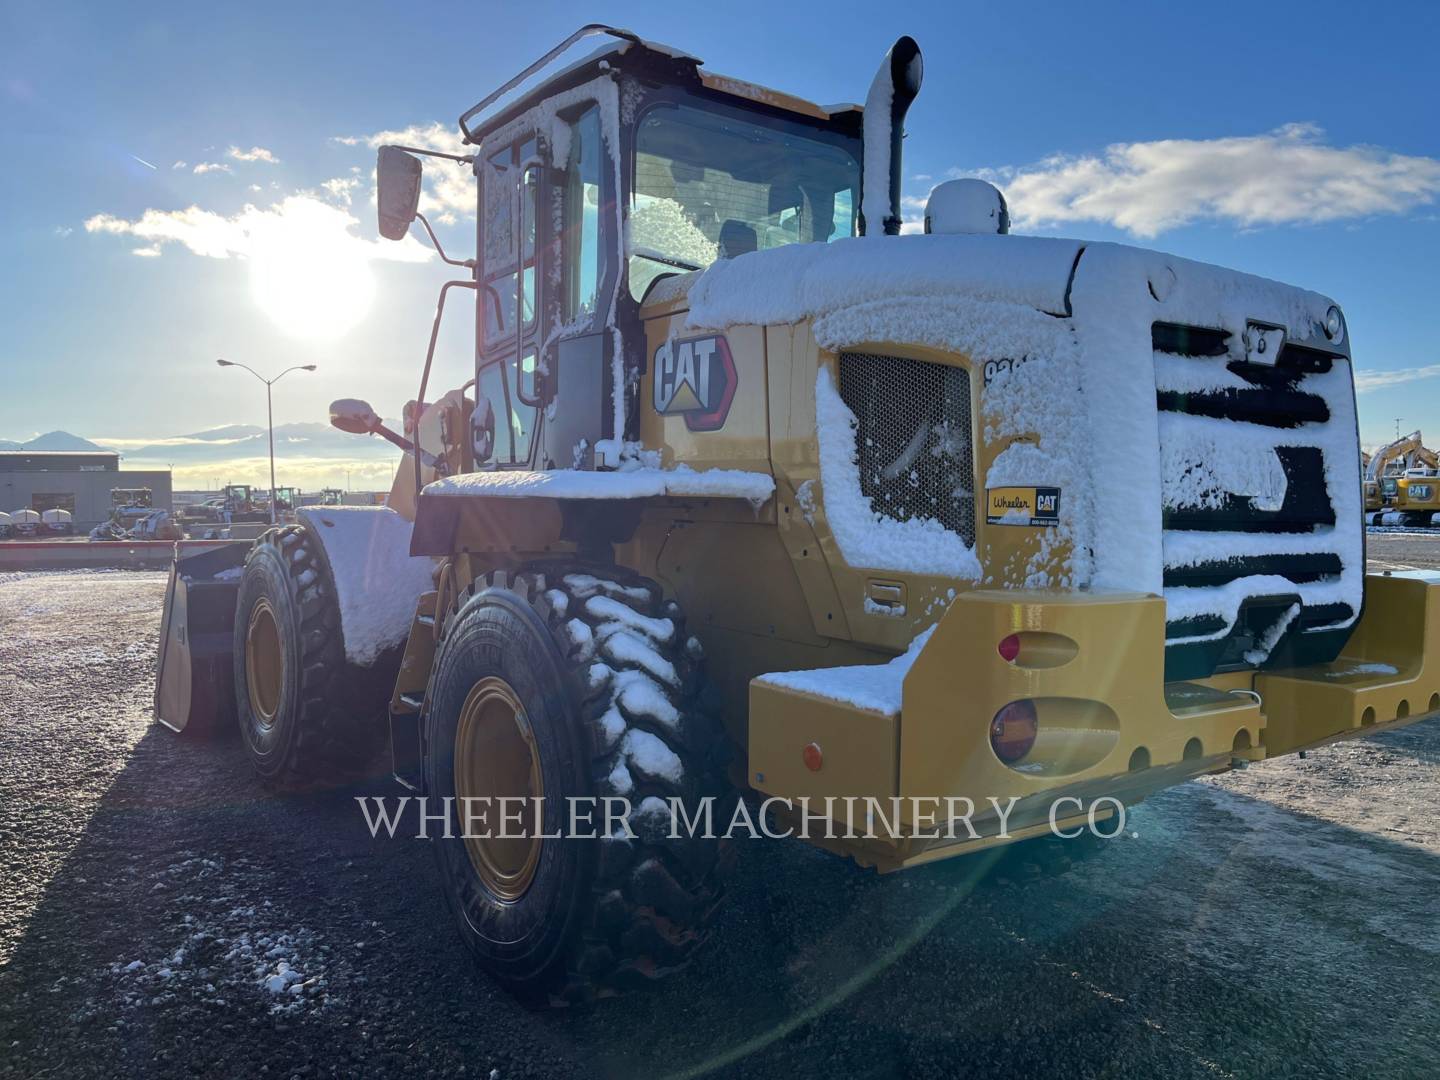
(509, 301)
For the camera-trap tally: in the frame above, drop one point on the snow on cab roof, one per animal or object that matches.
(562, 64)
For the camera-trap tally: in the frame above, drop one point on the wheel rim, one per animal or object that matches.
(264, 668)
(496, 757)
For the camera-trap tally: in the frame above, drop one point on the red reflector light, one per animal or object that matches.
(1012, 732)
(813, 757)
(1009, 648)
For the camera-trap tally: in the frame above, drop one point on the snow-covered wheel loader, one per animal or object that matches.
(935, 543)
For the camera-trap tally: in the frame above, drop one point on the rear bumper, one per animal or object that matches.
(1109, 726)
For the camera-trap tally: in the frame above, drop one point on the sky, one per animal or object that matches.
(186, 182)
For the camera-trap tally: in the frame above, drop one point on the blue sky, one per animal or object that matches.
(1300, 142)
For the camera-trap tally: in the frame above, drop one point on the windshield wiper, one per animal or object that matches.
(655, 256)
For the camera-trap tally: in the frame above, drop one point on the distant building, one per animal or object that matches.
(80, 482)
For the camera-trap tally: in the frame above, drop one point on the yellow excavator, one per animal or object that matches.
(1386, 472)
(928, 543)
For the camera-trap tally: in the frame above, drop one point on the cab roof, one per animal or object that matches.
(566, 65)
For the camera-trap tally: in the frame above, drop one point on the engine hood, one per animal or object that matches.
(798, 281)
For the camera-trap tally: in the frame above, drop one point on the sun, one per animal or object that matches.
(308, 272)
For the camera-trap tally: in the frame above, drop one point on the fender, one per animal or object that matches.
(528, 511)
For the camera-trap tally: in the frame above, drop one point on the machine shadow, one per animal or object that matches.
(190, 866)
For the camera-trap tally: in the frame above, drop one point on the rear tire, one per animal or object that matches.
(303, 713)
(614, 704)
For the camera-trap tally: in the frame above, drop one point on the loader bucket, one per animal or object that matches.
(195, 681)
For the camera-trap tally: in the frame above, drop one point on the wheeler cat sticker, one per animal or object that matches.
(695, 378)
(1022, 506)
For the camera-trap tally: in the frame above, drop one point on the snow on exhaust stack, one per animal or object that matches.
(895, 86)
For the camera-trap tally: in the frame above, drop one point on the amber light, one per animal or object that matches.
(1009, 648)
(1012, 732)
(812, 756)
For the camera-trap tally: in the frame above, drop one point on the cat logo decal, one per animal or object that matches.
(695, 378)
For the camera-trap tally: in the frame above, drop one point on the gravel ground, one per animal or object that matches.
(162, 914)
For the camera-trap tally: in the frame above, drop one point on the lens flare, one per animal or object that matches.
(308, 273)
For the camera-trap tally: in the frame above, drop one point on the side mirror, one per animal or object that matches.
(397, 178)
(354, 416)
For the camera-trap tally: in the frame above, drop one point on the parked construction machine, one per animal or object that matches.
(748, 495)
(130, 505)
(1388, 465)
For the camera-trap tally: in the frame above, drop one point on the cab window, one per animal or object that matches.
(709, 185)
(584, 258)
(514, 421)
(502, 194)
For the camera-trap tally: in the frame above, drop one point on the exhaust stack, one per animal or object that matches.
(895, 86)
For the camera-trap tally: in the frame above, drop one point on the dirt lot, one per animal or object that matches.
(1280, 921)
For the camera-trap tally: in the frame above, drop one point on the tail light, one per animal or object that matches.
(1009, 648)
(1012, 732)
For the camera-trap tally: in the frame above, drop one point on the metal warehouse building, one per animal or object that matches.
(77, 482)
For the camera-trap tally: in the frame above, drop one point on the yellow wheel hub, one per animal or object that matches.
(264, 666)
(496, 758)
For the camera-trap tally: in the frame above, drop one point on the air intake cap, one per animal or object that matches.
(966, 207)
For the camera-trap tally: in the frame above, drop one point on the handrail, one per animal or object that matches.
(425, 375)
(588, 30)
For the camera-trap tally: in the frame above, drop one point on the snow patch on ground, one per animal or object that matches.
(225, 949)
(377, 580)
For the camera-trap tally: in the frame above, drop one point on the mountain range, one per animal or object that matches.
(307, 454)
(54, 441)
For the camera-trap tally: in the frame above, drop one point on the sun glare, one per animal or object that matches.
(309, 273)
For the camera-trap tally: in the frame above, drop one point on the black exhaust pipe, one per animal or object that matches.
(895, 86)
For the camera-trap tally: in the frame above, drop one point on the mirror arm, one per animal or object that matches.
(468, 264)
(464, 159)
(425, 375)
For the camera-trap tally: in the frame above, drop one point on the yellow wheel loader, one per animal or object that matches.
(931, 542)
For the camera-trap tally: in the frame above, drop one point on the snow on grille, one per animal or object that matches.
(1257, 466)
(914, 438)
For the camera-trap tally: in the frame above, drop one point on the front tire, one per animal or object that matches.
(578, 685)
(303, 713)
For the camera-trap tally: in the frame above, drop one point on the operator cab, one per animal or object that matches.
(704, 167)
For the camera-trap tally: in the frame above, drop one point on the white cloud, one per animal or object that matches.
(449, 192)
(209, 167)
(1375, 380)
(151, 252)
(309, 474)
(180, 165)
(342, 188)
(255, 153)
(1287, 176)
(62, 231)
(253, 230)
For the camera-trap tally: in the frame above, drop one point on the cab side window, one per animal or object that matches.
(510, 186)
(501, 183)
(584, 259)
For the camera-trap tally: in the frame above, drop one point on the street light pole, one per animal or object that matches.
(269, 414)
(270, 424)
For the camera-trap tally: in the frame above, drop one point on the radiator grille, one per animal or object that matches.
(915, 440)
(1278, 400)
